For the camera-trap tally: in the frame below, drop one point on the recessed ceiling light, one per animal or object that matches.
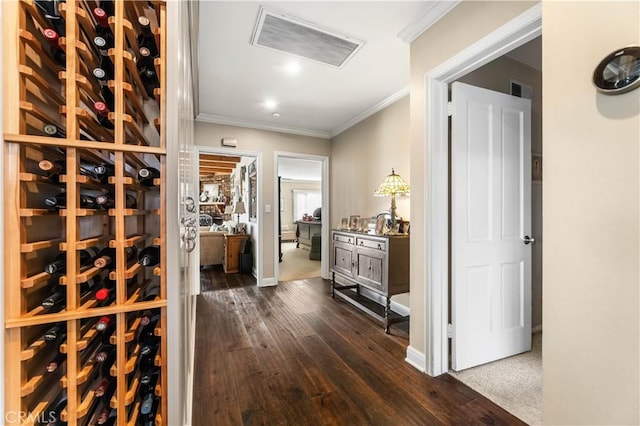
(270, 104)
(276, 115)
(293, 68)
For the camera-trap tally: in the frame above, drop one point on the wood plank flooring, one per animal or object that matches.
(292, 355)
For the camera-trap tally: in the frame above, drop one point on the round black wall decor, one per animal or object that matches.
(619, 72)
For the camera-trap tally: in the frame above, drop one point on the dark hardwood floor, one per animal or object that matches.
(292, 355)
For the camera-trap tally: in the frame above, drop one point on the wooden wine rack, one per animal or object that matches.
(39, 91)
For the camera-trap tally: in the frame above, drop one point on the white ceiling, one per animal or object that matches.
(236, 78)
(298, 169)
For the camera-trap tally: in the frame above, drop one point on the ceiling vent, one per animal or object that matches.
(291, 35)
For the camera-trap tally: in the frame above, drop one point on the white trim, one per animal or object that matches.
(515, 33)
(416, 359)
(432, 14)
(191, 368)
(230, 121)
(324, 256)
(199, 149)
(370, 111)
(267, 282)
(536, 329)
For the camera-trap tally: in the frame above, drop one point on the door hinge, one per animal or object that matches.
(450, 331)
(450, 109)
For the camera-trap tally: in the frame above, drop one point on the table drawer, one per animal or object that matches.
(343, 238)
(371, 244)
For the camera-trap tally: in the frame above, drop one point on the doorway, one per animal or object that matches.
(230, 235)
(301, 225)
(516, 33)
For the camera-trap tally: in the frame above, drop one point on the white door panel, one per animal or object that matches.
(491, 213)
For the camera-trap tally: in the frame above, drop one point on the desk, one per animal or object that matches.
(305, 231)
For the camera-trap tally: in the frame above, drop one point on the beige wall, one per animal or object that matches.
(267, 143)
(362, 156)
(461, 27)
(495, 76)
(591, 257)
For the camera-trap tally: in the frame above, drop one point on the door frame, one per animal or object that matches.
(324, 257)
(520, 30)
(203, 149)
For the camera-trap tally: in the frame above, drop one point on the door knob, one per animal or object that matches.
(528, 240)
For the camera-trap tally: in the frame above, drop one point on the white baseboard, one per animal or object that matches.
(416, 359)
(536, 329)
(395, 306)
(267, 282)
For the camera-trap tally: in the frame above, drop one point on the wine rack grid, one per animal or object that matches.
(26, 91)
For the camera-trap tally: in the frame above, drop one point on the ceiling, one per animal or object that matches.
(300, 169)
(529, 53)
(237, 78)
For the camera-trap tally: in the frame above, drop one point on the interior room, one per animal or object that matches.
(164, 161)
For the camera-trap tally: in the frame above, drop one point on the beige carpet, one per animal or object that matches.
(514, 383)
(296, 264)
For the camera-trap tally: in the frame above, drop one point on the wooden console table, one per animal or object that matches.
(379, 263)
(232, 244)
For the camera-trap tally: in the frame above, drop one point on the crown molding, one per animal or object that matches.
(370, 111)
(230, 121)
(432, 14)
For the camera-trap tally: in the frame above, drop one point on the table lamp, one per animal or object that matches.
(393, 185)
(238, 208)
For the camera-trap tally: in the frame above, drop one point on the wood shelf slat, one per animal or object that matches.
(73, 143)
(34, 77)
(129, 212)
(84, 244)
(39, 245)
(34, 280)
(37, 212)
(131, 272)
(29, 387)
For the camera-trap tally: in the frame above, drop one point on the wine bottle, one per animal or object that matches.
(54, 168)
(103, 323)
(147, 71)
(56, 362)
(107, 417)
(104, 171)
(54, 410)
(107, 256)
(107, 201)
(105, 389)
(60, 201)
(146, 37)
(103, 30)
(54, 131)
(148, 381)
(102, 114)
(152, 291)
(148, 316)
(107, 96)
(107, 6)
(146, 175)
(149, 256)
(56, 332)
(147, 404)
(104, 71)
(105, 356)
(147, 327)
(59, 263)
(55, 301)
(58, 55)
(49, 10)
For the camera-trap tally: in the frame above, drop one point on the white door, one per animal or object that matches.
(491, 225)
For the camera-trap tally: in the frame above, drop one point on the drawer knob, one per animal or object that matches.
(379, 247)
(361, 243)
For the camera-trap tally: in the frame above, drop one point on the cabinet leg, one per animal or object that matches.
(333, 285)
(387, 310)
